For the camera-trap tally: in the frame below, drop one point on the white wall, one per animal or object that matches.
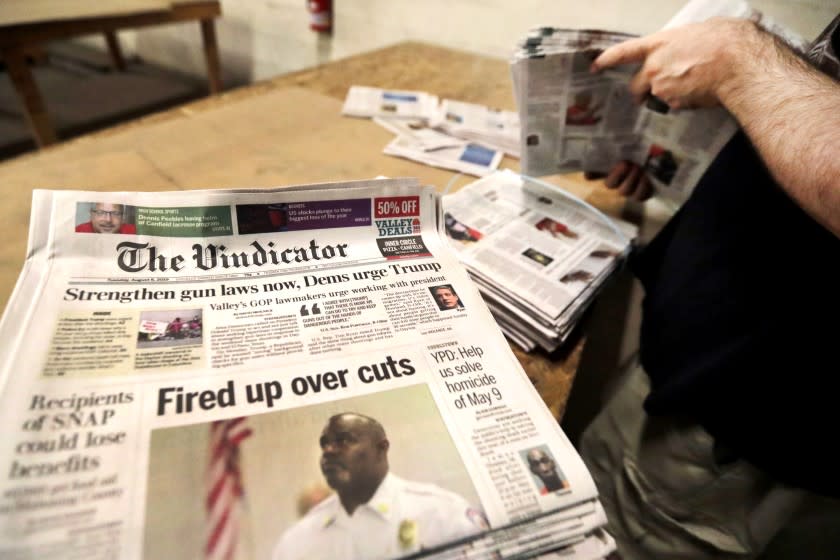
(264, 38)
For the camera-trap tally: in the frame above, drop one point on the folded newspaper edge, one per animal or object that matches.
(171, 361)
(538, 255)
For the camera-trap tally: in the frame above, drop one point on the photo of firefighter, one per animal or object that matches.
(369, 476)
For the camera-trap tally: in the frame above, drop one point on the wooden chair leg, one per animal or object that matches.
(211, 55)
(114, 48)
(30, 98)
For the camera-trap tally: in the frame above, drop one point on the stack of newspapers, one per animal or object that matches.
(538, 255)
(285, 373)
(464, 137)
(575, 120)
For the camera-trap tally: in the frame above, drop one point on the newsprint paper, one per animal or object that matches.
(291, 373)
(539, 256)
(575, 120)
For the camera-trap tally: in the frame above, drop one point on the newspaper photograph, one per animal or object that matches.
(290, 373)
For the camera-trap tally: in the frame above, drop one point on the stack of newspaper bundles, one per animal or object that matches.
(537, 254)
(455, 135)
(575, 120)
(182, 375)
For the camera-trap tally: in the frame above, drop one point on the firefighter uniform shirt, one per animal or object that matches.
(402, 517)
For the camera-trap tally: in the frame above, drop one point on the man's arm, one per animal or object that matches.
(789, 110)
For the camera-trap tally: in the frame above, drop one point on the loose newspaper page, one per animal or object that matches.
(469, 157)
(364, 101)
(482, 124)
(192, 374)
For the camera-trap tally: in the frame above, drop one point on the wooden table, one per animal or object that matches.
(23, 26)
(285, 131)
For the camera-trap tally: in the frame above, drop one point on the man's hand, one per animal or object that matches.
(630, 181)
(685, 67)
(787, 108)
(688, 66)
(627, 177)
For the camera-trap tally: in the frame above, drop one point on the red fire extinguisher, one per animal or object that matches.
(320, 15)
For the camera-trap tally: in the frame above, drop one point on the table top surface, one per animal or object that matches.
(284, 131)
(19, 12)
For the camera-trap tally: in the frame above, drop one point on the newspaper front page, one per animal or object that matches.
(187, 375)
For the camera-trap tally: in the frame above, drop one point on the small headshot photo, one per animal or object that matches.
(262, 218)
(159, 329)
(540, 258)
(104, 217)
(544, 471)
(445, 297)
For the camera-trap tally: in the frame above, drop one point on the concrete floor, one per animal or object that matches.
(83, 93)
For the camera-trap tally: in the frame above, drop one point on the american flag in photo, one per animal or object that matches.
(224, 488)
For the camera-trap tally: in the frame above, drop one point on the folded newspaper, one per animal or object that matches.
(537, 254)
(292, 373)
(575, 120)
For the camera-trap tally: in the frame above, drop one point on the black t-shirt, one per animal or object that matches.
(739, 328)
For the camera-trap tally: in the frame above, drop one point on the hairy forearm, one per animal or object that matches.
(791, 113)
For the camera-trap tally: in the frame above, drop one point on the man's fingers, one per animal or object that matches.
(644, 190)
(631, 182)
(593, 175)
(640, 85)
(617, 174)
(632, 50)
